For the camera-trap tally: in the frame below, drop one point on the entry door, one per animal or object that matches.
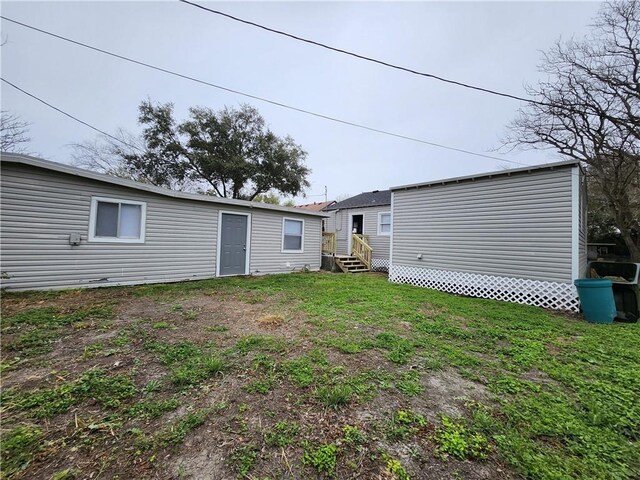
(357, 224)
(233, 244)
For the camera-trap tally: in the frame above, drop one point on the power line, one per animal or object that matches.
(255, 97)
(362, 57)
(68, 114)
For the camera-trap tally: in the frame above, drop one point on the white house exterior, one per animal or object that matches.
(369, 214)
(516, 235)
(65, 227)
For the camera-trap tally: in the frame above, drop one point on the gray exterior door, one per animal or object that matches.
(233, 244)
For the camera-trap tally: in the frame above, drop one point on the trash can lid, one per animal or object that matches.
(593, 282)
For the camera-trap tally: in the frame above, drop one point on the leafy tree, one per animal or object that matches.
(271, 198)
(13, 133)
(230, 153)
(588, 108)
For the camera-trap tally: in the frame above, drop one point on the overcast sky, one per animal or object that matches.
(495, 45)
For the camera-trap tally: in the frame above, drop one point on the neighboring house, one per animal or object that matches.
(63, 226)
(317, 207)
(515, 235)
(367, 215)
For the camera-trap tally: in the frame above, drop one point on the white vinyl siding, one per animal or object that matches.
(513, 226)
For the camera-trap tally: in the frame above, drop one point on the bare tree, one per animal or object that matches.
(13, 133)
(588, 109)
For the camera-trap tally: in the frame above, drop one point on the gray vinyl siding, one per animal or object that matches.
(516, 226)
(39, 209)
(339, 222)
(266, 243)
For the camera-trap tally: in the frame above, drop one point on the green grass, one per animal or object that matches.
(282, 434)
(561, 396)
(19, 445)
(95, 384)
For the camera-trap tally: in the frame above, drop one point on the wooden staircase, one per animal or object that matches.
(350, 264)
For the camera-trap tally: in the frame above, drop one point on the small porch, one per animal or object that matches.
(360, 256)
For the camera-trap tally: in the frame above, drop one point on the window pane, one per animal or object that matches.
(292, 227)
(292, 242)
(385, 228)
(130, 216)
(385, 218)
(107, 219)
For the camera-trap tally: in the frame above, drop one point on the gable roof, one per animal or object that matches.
(123, 182)
(365, 199)
(498, 173)
(316, 206)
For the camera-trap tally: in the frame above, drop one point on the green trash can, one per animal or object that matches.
(596, 299)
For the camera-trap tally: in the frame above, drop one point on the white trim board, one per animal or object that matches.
(282, 250)
(379, 232)
(93, 213)
(575, 223)
(350, 229)
(247, 267)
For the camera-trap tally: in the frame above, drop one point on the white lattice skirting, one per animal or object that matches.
(555, 295)
(380, 264)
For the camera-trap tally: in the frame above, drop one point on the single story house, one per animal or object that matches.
(515, 235)
(367, 215)
(64, 227)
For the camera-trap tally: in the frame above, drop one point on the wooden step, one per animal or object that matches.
(350, 264)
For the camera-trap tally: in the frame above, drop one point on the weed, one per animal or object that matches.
(161, 325)
(152, 408)
(177, 432)
(395, 468)
(282, 434)
(455, 439)
(300, 371)
(151, 386)
(404, 423)
(336, 396)
(190, 315)
(260, 386)
(18, 448)
(260, 343)
(216, 328)
(243, 458)
(409, 383)
(508, 384)
(108, 391)
(352, 435)
(66, 474)
(323, 457)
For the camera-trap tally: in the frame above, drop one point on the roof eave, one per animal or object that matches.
(101, 177)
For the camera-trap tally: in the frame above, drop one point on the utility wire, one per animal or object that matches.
(362, 57)
(68, 114)
(262, 99)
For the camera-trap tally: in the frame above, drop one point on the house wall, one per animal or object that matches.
(506, 237)
(39, 209)
(339, 222)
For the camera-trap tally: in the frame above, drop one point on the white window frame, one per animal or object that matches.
(282, 249)
(94, 214)
(380, 232)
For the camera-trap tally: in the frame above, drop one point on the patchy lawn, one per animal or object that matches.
(319, 375)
